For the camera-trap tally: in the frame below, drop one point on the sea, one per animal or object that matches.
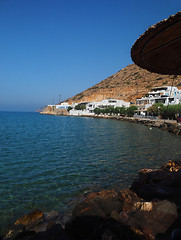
(50, 162)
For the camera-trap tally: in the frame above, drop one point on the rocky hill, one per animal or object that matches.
(127, 84)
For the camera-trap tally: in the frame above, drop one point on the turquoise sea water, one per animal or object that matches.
(48, 161)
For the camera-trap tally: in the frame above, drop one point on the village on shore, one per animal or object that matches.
(149, 106)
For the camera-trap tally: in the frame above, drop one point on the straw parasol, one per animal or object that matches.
(159, 48)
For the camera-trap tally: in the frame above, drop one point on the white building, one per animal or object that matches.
(63, 105)
(106, 103)
(89, 110)
(167, 95)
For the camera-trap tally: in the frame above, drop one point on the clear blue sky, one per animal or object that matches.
(52, 47)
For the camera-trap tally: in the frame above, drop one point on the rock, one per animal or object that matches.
(98, 228)
(96, 208)
(106, 203)
(143, 206)
(176, 234)
(151, 217)
(172, 166)
(127, 199)
(115, 214)
(56, 232)
(98, 204)
(64, 218)
(33, 223)
(31, 219)
(88, 207)
(162, 184)
(25, 235)
(167, 235)
(14, 231)
(27, 225)
(40, 227)
(154, 191)
(109, 202)
(51, 216)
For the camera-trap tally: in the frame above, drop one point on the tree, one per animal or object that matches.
(156, 109)
(130, 111)
(171, 111)
(117, 110)
(97, 111)
(80, 107)
(122, 110)
(69, 108)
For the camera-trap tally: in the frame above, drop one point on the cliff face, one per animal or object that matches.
(127, 84)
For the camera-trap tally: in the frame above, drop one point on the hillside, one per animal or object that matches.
(128, 84)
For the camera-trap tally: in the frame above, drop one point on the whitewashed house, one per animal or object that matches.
(63, 105)
(167, 95)
(75, 112)
(106, 103)
(90, 106)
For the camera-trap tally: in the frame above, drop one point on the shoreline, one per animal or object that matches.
(168, 125)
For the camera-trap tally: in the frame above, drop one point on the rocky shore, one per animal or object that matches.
(56, 112)
(168, 125)
(149, 210)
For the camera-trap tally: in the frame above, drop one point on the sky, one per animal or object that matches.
(51, 50)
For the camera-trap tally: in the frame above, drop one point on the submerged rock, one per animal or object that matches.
(33, 223)
(31, 219)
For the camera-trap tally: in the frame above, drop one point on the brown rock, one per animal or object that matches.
(151, 217)
(115, 214)
(31, 218)
(128, 198)
(159, 183)
(98, 204)
(51, 215)
(172, 166)
(14, 231)
(91, 208)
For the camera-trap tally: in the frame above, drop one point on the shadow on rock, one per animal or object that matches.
(164, 183)
(98, 228)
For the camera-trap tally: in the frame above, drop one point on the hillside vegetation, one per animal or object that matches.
(127, 84)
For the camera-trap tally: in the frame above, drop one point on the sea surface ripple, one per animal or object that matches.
(47, 161)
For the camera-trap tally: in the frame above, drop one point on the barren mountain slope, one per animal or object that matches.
(127, 84)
